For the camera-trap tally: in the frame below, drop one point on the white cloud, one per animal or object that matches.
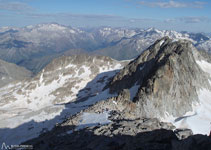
(195, 19)
(173, 4)
(188, 20)
(16, 6)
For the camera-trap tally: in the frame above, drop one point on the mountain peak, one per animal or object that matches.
(164, 79)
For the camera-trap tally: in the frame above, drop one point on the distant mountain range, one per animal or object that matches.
(33, 47)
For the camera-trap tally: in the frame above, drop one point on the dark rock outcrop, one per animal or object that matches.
(140, 134)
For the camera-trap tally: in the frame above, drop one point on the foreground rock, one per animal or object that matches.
(146, 134)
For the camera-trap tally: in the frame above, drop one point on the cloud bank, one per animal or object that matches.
(16, 6)
(173, 4)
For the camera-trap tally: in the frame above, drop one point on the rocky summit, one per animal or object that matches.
(164, 79)
(154, 100)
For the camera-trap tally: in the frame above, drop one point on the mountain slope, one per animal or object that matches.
(169, 80)
(60, 89)
(10, 72)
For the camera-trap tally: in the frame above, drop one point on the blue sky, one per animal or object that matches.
(188, 15)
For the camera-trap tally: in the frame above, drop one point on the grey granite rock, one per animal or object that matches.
(168, 78)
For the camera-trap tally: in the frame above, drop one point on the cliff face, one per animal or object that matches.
(166, 76)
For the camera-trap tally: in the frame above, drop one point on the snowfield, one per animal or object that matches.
(91, 119)
(33, 107)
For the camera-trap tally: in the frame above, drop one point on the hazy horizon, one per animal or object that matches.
(189, 15)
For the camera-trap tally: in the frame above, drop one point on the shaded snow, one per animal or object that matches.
(91, 119)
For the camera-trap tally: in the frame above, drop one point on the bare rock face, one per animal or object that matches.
(168, 78)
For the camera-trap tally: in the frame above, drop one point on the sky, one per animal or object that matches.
(179, 15)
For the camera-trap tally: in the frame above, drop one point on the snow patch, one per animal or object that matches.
(161, 42)
(91, 119)
(205, 66)
(114, 102)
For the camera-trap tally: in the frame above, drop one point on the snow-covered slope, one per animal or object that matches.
(64, 87)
